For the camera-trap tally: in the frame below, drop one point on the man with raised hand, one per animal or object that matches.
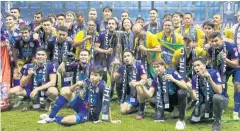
(208, 91)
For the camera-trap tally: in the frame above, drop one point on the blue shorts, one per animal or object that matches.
(81, 117)
(235, 74)
(132, 101)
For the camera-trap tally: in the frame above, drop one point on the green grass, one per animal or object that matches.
(15, 120)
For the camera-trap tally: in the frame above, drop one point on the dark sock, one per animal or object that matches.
(58, 105)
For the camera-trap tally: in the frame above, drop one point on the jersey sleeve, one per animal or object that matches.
(233, 52)
(141, 69)
(52, 68)
(177, 76)
(216, 78)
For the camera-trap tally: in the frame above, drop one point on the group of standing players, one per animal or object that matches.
(63, 60)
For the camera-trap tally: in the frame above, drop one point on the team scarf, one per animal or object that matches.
(166, 53)
(183, 62)
(61, 54)
(90, 101)
(223, 65)
(84, 45)
(44, 42)
(125, 81)
(222, 68)
(40, 95)
(206, 91)
(162, 97)
(237, 37)
(106, 46)
(153, 29)
(192, 31)
(106, 103)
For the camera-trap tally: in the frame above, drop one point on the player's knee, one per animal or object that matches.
(65, 91)
(52, 92)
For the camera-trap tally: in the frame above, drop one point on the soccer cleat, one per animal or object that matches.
(46, 120)
(173, 114)
(216, 126)
(235, 116)
(43, 116)
(180, 125)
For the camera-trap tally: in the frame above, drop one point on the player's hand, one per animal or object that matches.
(116, 121)
(223, 55)
(169, 77)
(33, 93)
(88, 37)
(206, 47)
(30, 71)
(207, 75)
(35, 36)
(109, 51)
(69, 39)
(80, 83)
(133, 84)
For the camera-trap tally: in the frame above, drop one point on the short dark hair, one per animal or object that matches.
(61, 15)
(208, 23)
(178, 13)
(39, 12)
(47, 19)
(25, 27)
(129, 51)
(107, 7)
(139, 18)
(9, 15)
(63, 28)
(98, 69)
(79, 14)
(188, 13)
(16, 9)
(167, 15)
(154, 10)
(201, 59)
(42, 49)
(214, 35)
(125, 12)
(168, 20)
(112, 18)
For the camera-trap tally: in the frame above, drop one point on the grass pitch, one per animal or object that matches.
(16, 120)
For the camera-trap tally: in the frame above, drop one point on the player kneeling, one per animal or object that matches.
(87, 98)
(170, 91)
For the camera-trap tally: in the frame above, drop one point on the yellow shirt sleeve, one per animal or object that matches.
(179, 39)
(152, 41)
